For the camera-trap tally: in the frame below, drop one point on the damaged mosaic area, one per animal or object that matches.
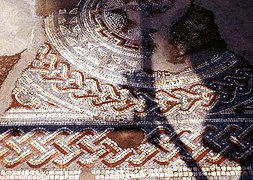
(100, 70)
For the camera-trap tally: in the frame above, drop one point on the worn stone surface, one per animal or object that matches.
(86, 174)
(234, 19)
(6, 65)
(127, 137)
(46, 7)
(18, 21)
(21, 31)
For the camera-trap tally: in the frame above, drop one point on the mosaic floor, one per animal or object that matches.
(104, 69)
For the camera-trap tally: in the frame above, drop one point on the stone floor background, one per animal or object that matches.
(235, 22)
